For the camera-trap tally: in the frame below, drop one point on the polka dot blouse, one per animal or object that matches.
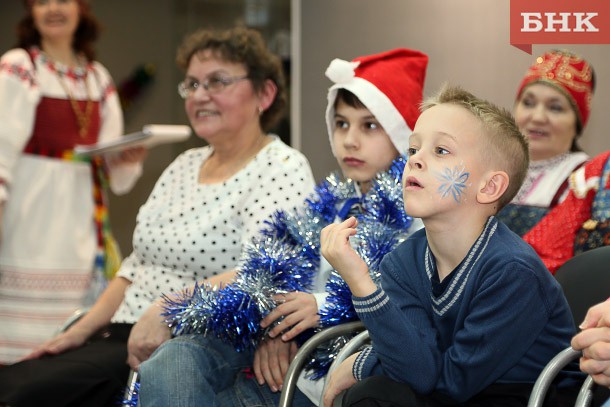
(187, 231)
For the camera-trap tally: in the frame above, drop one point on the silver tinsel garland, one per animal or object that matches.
(382, 226)
(285, 258)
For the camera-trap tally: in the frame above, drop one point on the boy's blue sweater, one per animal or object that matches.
(499, 317)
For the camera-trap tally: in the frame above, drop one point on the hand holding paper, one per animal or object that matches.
(150, 136)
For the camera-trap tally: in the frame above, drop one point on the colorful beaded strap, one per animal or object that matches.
(108, 257)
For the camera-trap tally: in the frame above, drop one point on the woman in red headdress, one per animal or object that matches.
(552, 109)
(53, 219)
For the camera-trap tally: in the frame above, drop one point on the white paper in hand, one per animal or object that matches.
(151, 135)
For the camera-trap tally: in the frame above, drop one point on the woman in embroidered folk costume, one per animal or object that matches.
(372, 107)
(562, 208)
(552, 109)
(55, 233)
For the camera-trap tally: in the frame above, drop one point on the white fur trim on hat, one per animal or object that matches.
(377, 103)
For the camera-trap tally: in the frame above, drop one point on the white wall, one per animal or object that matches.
(467, 42)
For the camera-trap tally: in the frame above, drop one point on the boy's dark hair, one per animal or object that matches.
(507, 148)
(245, 46)
(349, 99)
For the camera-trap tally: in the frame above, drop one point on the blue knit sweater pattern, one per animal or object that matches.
(498, 317)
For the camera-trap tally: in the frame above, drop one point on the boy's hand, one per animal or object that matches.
(300, 311)
(271, 361)
(336, 248)
(341, 379)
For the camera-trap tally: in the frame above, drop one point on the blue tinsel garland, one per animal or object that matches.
(286, 257)
(381, 227)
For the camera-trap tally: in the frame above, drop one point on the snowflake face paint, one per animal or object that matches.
(453, 182)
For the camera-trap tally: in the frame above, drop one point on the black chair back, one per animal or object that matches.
(585, 280)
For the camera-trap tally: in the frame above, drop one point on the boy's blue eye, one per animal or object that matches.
(441, 151)
(411, 151)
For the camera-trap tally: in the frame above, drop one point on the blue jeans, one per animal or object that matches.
(194, 370)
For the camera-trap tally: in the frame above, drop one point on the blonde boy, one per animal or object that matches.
(466, 311)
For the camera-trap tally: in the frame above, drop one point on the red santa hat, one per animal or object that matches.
(389, 84)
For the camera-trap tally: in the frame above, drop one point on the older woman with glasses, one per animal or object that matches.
(205, 206)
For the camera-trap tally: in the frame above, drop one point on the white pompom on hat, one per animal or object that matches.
(389, 84)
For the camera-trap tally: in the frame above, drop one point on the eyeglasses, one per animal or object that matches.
(214, 84)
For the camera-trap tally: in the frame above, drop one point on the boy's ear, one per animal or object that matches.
(494, 187)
